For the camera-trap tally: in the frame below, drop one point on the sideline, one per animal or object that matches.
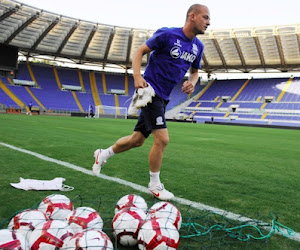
(196, 205)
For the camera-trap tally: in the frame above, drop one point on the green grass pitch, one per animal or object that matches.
(244, 170)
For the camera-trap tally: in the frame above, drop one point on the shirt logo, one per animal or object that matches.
(195, 49)
(159, 121)
(175, 52)
(178, 43)
(188, 57)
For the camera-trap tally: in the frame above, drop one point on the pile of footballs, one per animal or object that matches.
(57, 224)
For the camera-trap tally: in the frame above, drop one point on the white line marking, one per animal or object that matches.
(196, 205)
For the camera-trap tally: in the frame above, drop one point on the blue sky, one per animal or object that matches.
(154, 14)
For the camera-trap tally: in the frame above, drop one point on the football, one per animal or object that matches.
(56, 206)
(89, 239)
(26, 221)
(126, 224)
(158, 234)
(166, 210)
(11, 240)
(83, 218)
(50, 235)
(131, 200)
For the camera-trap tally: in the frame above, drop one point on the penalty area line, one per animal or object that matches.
(196, 205)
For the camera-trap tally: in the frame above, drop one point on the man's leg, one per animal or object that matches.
(161, 140)
(136, 139)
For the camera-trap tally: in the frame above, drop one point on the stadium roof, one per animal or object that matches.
(39, 32)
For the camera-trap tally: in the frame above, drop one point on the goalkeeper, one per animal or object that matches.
(174, 52)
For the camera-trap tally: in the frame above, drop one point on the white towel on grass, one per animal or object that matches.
(32, 184)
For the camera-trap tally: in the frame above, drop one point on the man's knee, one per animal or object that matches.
(137, 139)
(138, 143)
(162, 141)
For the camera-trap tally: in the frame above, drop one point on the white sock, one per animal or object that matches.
(106, 153)
(154, 179)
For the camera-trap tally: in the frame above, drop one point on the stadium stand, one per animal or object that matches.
(261, 87)
(222, 88)
(4, 98)
(243, 102)
(53, 98)
(252, 105)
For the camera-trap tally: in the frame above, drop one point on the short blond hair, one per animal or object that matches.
(195, 8)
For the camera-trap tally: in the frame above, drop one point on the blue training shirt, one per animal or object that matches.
(172, 56)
